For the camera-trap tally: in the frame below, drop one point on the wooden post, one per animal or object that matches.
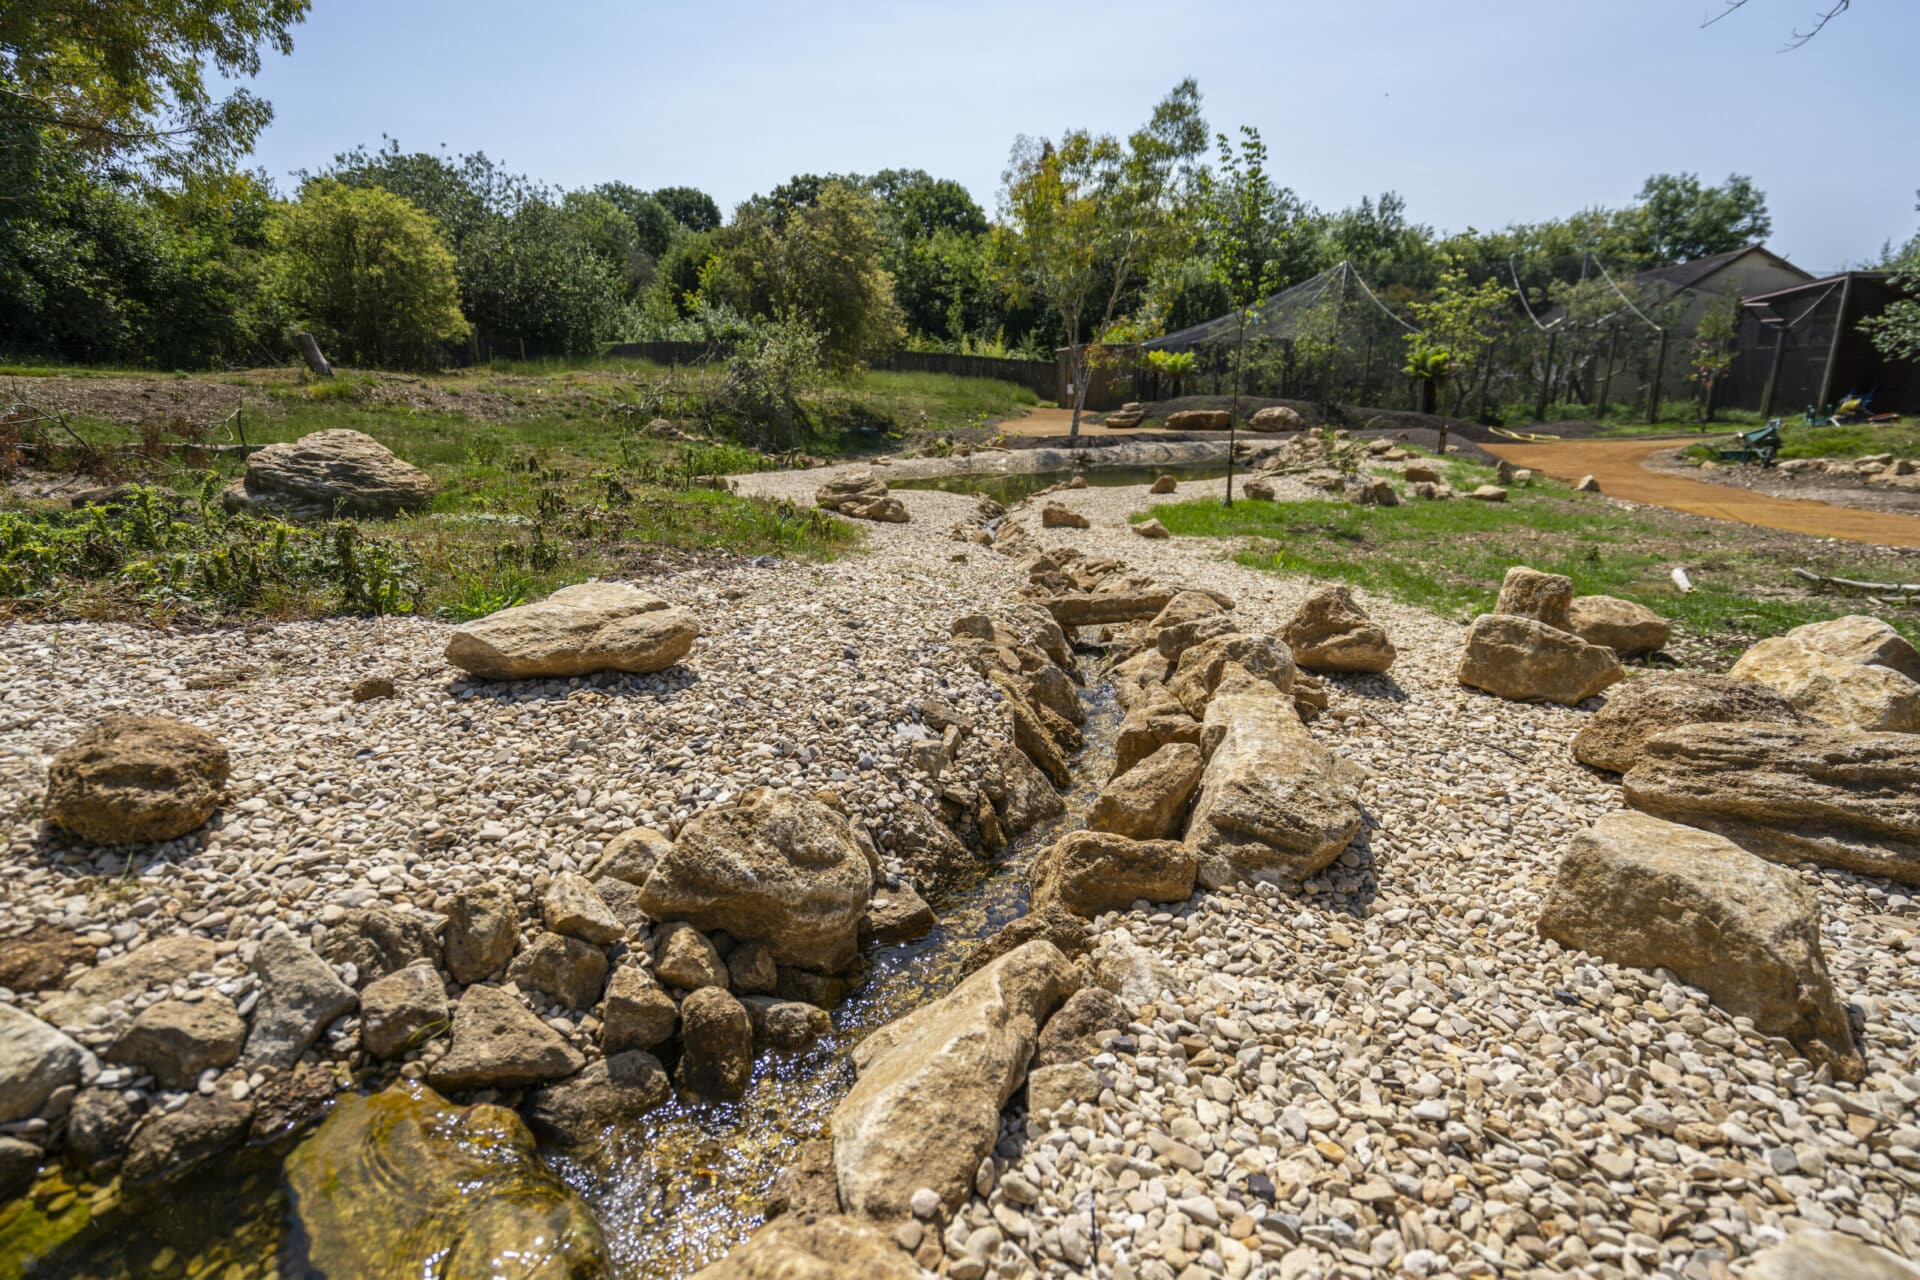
(1606, 374)
(1773, 372)
(310, 352)
(1487, 355)
(1546, 379)
(1833, 347)
(1366, 373)
(1659, 376)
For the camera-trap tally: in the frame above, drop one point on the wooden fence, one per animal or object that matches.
(1037, 376)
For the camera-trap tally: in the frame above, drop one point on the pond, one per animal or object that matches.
(1007, 488)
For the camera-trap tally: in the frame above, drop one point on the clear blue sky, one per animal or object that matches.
(1479, 112)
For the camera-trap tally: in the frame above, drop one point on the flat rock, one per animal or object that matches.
(136, 780)
(1149, 800)
(159, 963)
(1199, 420)
(1651, 704)
(40, 958)
(1637, 890)
(1103, 608)
(498, 1043)
(897, 915)
(1089, 872)
(35, 1060)
(299, 996)
(328, 474)
(1528, 661)
(1053, 923)
(1330, 632)
(863, 496)
(1628, 629)
(578, 630)
(1862, 640)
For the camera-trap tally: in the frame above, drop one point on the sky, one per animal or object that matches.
(1479, 112)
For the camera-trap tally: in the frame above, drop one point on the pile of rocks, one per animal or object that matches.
(1526, 649)
(1128, 415)
(1881, 470)
(863, 496)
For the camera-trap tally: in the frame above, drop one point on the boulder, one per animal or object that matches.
(1544, 597)
(788, 1026)
(631, 856)
(609, 1096)
(1586, 484)
(1636, 890)
(1810, 792)
(1273, 804)
(1637, 710)
(811, 1247)
(1838, 690)
(565, 970)
(329, 474)
(136, 780)
(572, 906)
(1163, 484)
(1419, 473)
(299, 996)
(1203, 668)
(1199, 420)
(483, 932)
(1376, 491)
(1827, 1255)
(1102, 608)
(1150, 724)
(1055, 516)
(576, 631)
(925, 1108)
(637, 1014)
(159, 963)
(175, 1040)
(1149, 800)
(1488, 493)
(1151, 529)
(1627, 628)
(684, 958)
(100, 1128)
(1275, 418)
(378, 940)
(1331, 632)
(716, 1046)
(498, 1043)
(35, 1060)
(863, 496)
(1184, 606)
(751, 970)
(1865, 641)
(1131, 972)
(1074, 1032)
(169, 1145)
(1020, 793)
(401, 1010)
(403, 1183)
(1089, 872)
(1052, 923)
(927, 848)
(1528, 661)
(775, 869)
(1033, 734)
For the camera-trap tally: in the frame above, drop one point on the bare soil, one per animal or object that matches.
(1836, 489)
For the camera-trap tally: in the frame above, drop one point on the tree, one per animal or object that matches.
(1677, 220)
(653, 225)
(821, 265)
(533, 281)
(124, 82)
(1710, 353)
(463, 194)
(368, 273)
(1085, 221)
(691, 207)
(1457, 325)
(1896, 330)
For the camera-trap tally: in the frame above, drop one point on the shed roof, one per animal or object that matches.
(1687, 275)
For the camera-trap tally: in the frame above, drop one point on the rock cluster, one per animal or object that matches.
(1524, 650)
(863, 496)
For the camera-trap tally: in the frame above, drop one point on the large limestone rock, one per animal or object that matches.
(175, 1040)
(398, 1012)
(863, 496)
(1652, 704)
(1102, 608)
(925, 1109)
(1199, 420)
(1203, 668)
(564, 970)
(498, 1043)
(1636, 890)
(1828, 1255)
(1331, 632)
(35, 1060)
(171, 1144)
(1791, 792)
(402, 1183)
(136, 779)
(1528, 661)
(1152, 723)
(1865, 641)
(775, 869)
(1035, 734)
(810, 1247)
(1273, 804)
(572, 906)
(1275, 418)
(328, 474)
(1544, 597)
(716, 1046)
(1020, 793)
(1627, 628)
(594, 626)
(1839, 690)
(1149, 800)
(1089, 872)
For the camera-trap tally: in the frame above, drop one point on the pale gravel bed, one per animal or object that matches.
(1432, 1088)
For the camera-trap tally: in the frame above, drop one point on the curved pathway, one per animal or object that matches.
(1618, 466)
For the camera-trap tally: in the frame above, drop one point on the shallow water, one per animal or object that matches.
(672, 1195)
(1009, 488)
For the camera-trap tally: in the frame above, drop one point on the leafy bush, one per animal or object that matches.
(768, 375)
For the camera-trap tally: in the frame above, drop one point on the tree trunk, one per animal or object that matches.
(1233, 414)
(310, 352)
(1081, 367)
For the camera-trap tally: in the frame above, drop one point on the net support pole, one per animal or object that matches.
(1546, 379)
(1606, 374)
(1773, 372)
(1833, 347)
(1659, 376)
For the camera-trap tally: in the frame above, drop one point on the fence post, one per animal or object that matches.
(1606, 375)
(1659, 376)
(1773, 372)
(1546, 379)
(1486, 376)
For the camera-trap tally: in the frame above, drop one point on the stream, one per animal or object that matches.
(672, 1195)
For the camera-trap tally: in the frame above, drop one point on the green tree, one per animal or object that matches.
(653, 225)
(463, 194)
(1458, 323)
(1710, 353)
(1247, 237)
(367, 272)
(1896, 330)
(691, 207)
(1086, 221)
(533, 281)
(1676, 219)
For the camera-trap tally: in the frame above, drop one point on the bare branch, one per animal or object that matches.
(1833, 10)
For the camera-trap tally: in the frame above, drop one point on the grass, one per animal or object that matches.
(1858, 441)
(1450, 556)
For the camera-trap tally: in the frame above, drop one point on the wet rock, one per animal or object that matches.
(1544, 597)
(898, 914)
(806, 1247)
(751, 970)
(565, 970)
(572, 907)
(35, 1060)
(483, 931)
(1034, 734)
(379, 940)
(637, 1014)
(927, 849)
(1790, 792)
(1070, 934)
(136, 780)
(684, 958)
(401, 1010)
(171, 1144)
(631, 856)
(1639, 709)
(19, 1165)
(1628, 629)
(790, 1026)
(329, 474)
(1636, 890)
(99, 1128)
(1838, 690)
(1149, 800)
(38, 960)
(716, 1046)
(1203, 668)
(1331, 632)
(1528, 661)
(823, 989)
(925, 1109)
(175, 1040)
(594, 626)
(498, 1043)
(1074, 1031)
(776, 869)
(289, 1101)
(299, 996)
(609, 1095)
(401, 1182)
